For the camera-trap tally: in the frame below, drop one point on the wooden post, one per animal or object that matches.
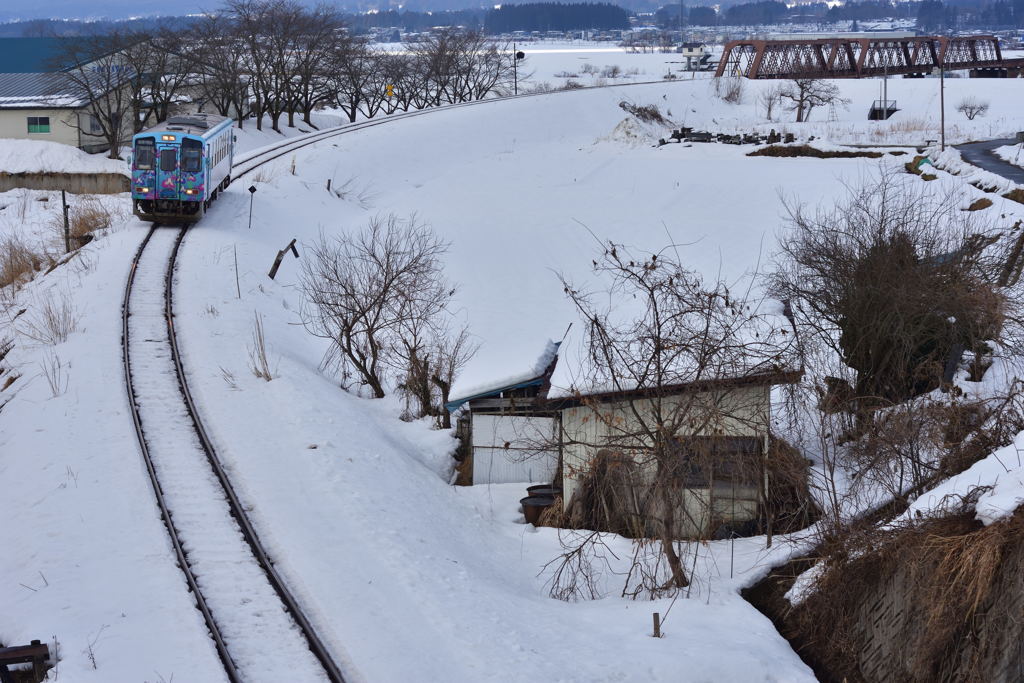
(38, 662)
(67, 224)
(657, 625)
(280, 257)
(238, 289)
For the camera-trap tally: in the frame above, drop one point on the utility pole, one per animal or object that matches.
(942, 100)
(515, 69)
(516, 56)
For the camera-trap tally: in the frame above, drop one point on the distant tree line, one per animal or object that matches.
(552, 16)
(935, 15)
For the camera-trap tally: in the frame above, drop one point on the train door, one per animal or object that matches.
(167, 170)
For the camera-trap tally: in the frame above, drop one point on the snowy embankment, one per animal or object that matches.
(406, 577)
(41, 156)
(1011, 153)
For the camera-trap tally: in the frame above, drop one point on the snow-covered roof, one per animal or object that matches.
(531, 377)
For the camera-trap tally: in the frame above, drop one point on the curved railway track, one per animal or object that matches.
(259, 630)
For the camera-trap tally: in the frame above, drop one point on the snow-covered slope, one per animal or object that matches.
(408, 579)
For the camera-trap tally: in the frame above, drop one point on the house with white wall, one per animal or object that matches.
(39, 101)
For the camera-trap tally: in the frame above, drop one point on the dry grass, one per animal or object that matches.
(950, 575)
(808, 151)
(912, 166)
(86, 216)
(18, 260)
(51, 321)
(979, 204)
(1016, 195)
(258, 362)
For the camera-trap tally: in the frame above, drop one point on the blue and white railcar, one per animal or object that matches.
(180, 166)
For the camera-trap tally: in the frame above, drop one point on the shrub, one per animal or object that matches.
(648, 113)
(979, 204)
(893, 281)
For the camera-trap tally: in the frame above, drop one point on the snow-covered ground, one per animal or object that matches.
(41, 156)
(1012, 153)
(406, 577)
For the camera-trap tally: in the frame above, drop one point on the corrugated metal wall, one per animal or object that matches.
(509, 449)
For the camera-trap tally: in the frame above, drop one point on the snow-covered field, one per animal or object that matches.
(407, 578)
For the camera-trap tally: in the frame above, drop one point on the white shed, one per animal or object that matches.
(509, 439)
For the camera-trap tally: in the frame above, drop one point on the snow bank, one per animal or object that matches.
(41, 156)
(1011, 153)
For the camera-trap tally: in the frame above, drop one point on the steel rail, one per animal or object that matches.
(165, 514)
(316, 645)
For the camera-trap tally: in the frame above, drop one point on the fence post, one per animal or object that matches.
(67, 225)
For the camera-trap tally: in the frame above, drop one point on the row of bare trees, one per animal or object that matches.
(274, 59)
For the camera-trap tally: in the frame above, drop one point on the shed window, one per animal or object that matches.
(191, 155)
(168, 159)
(708, 459)
(38, 124)
(145, 154)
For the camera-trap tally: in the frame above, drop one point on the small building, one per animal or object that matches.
(694, 56)
(509, 435)
(717, 451)
(38, 101)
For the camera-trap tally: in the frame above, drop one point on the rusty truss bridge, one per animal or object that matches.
(860, 57)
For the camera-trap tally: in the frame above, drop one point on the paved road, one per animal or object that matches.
(981, 155)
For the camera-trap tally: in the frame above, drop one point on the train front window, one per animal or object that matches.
(145, 154)
(191, 155)
(168, 159)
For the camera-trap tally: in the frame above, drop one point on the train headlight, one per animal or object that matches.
(190, 191)
(142, 190)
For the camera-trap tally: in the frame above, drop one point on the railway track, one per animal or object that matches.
(258, 628)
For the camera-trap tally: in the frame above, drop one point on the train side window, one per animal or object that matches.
(145, 154)
(191, 156)
(168, 158)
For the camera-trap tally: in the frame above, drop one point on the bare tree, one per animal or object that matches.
(972, 108)
(161, 66)
(355, 75)
(220, 65)
(676, 363)
(804, 94)
(96, 69)
(380, 296)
